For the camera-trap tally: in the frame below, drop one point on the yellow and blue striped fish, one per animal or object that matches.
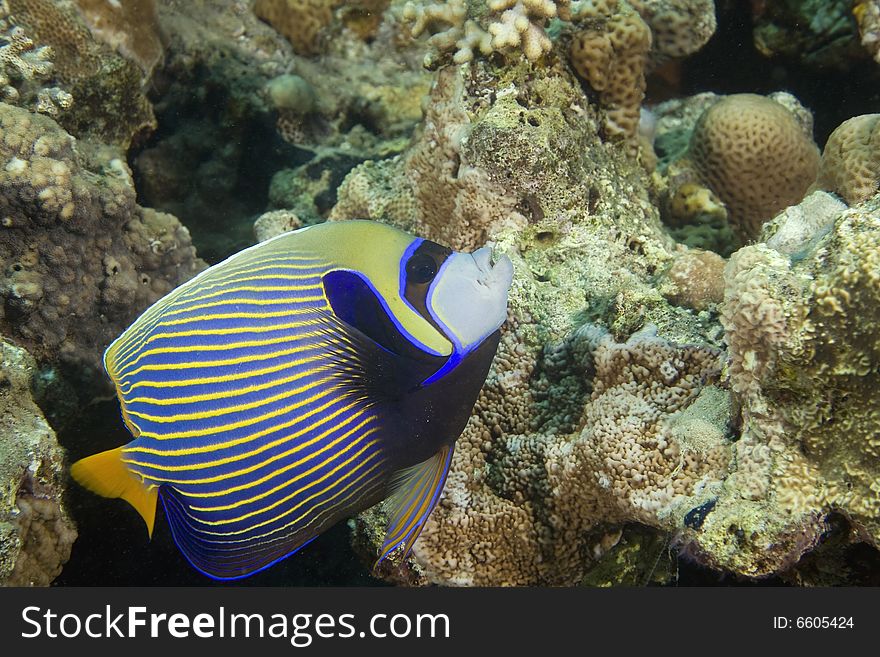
(297, 383)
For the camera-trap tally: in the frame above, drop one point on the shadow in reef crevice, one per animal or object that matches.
(113, 548)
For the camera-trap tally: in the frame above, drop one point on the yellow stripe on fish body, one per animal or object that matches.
(282, 390)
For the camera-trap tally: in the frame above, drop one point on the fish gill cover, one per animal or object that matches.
(687, 191)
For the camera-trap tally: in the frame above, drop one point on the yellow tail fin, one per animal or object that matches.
(106, 475)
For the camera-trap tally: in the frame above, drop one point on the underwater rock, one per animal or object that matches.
(851, 160)
(79, 259)
(608, 404)
(36, 533)
(110, 103)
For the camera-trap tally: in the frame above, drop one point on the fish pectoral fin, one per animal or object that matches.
(107, 475)
(415, 494)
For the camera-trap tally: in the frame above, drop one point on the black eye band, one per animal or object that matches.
(421, 268)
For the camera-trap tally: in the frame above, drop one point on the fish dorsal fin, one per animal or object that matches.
(107, 475)
(415, 492)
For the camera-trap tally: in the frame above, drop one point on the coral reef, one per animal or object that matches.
(79, 257)
(110, 103)
(132, 28)
(611, 43)
(867, 13)
(535, 478)
(300, 21)
(609, 402)
(237, 107)
(36, 532)
(851, 159)
(802, 336)
(755, 153)
(24, 68)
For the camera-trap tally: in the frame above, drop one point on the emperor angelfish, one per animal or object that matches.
(297, 383)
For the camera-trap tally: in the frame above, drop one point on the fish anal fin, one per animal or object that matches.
(414, 495)
(105, 474)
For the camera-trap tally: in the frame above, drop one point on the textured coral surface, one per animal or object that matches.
(851, 159)
(688, 375)
(36, 532)
(80, 259)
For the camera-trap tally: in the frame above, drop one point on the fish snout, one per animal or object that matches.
(494, 275)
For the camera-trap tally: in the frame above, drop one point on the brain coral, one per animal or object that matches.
(754, 154)
(36, 533)
(851, 159)
(78, 257)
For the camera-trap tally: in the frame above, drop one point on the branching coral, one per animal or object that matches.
(110, 102)
(24, 67)
(851, 159)
(467, 27)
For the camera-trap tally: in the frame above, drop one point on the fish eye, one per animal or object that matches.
(420, 269)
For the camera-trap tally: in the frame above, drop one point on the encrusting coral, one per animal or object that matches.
(132, 28)
(802, 336)
(79, 258)
(610, 401)
(36, 532)
(851, 159)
